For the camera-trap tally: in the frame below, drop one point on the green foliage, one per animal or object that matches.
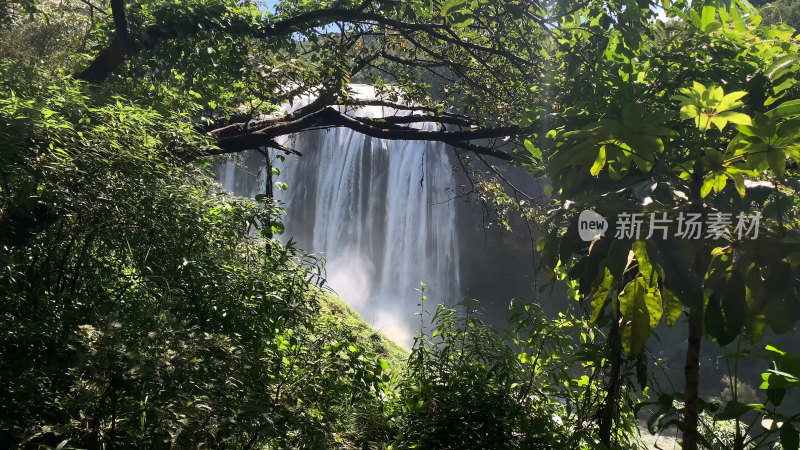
(624, 145)
(676, 166)
(783, 378)
(781, 11)
(340, 316)
(711, 106)
(725, 422)
(615, 143)
(534, 386)
(138, 306)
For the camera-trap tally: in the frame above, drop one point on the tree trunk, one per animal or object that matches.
(612, 398)
(692, 376)
(120, 22)
(692, 366)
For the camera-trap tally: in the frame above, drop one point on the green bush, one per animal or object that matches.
(139, 306)
(469, 386)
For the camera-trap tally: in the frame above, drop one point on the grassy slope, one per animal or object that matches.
(333, 308)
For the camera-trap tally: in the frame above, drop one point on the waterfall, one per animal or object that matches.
(379, 212)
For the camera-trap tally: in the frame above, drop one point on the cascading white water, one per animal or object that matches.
(378, 212)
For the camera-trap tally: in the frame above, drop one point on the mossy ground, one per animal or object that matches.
(332, 309)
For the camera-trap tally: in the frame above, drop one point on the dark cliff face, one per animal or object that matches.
(498, 265)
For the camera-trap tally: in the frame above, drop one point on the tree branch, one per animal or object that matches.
(122, 47)
(415, 118)
(233, 140)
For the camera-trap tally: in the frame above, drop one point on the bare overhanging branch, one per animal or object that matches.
(232, 139)
(416, 118)
(243, 123)
(414, 107)
(258, 145)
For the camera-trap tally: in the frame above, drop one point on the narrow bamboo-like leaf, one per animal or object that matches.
(780, 65)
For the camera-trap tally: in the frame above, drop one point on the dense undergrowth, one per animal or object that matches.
(138, 307)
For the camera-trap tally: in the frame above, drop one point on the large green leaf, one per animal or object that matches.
(645, 267)
(709, 14)
(736, 117)
(726, 311)
(601, 295)
(641, 311)
(785, 110)
(731, 101)
(599, 162)
(672, 307)
(790, 438)
(450, 5)
(673, 256)
(777, 161)
(733, 410)
(532, 149)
